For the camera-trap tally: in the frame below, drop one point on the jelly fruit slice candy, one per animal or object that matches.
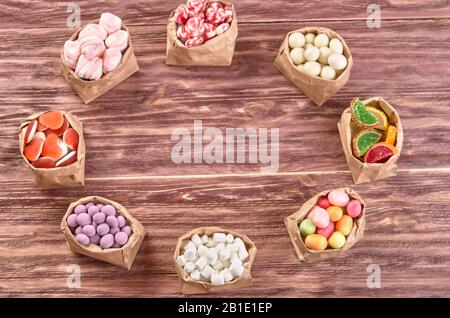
(383, 121)
(68, 159)
(362, 116)
(31, 129)
(364, 140)
(54, 147)
(33, 150)
(60, 131)
(52, 120)
(71, 137)
(44, 162)
(41, 127)
(379, 153)
(391, 135)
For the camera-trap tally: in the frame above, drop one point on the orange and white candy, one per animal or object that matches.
(110, 22)
(118, 40)
(93, 29)
(89, 69)
(72, 53)
(111, 59)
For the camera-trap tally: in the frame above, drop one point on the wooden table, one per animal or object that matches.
(128, 131)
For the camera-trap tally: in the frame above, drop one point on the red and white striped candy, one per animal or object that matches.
(193, 42)
(192, 14)
(195, 27)
(222, 28)
(228, 14)
(215, 13)
(209, 32)
(196, 5)
(182, 35)
(181, 14)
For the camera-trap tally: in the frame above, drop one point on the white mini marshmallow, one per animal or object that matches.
(219, 237)
(242, 253)
(218, 266)
(190, 253)
(189, 267)
(230, 238)
(224, 255)
(236, 269)
(217, 279)
(220, 247)
(211, 257)
(195, 275)
(188, 245)
(204, 238)
(181, 260)
(239, 241)
(233, 247)
(227, 275)
(235, 258)
(210, 243)
(196, 240)
(201, 263)
(207, 272)
(201, 251)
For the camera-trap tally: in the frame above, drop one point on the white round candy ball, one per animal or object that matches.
(321, 40)
(336, 46)
(312, 68)
(301, 67)
(296, 39)
(312, 54)
(337, 61)
(324, 54)
(309, 38)
(297, 55)
(328, 73)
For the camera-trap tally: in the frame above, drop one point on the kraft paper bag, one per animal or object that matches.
(364, 172)
(305, 254)
(319, 90)
(190, 286)
(122, 257)
(68, 176)
(218, 51)
(90, 90)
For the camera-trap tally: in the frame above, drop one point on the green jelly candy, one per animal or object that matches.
(362, 116)
(364, 140)
(307, 227)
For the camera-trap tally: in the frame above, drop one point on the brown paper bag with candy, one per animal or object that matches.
(71, 175)
(190, 286)
(88, 90)
(367, 172)
(122, 257)
(217, 51)
(319, 90)
(307, 255)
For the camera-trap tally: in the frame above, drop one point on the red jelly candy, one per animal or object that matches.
(59, 131)
(195, 27)
(323, 202)
(215, 13)
(33, 150)
(41, 127)
(31, 129)
(71, 138)
(193, 42)
(54, 147)
(44, 162)
(52, 120)
(181, 14)
(68, 159)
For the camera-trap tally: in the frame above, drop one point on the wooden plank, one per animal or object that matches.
(251, 93)
(407, 235)
(32, 14)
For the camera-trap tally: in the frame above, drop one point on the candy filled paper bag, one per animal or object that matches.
(367, 172)
(71, 175)
(217, 51)
(318, 89)
(122, 257)
(191, 286)
(303, 252)
(88, 90)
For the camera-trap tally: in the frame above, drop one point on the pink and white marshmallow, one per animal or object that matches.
(110, 22)
(93, 30)
(72, 53)
(89, 69)
(92, 46)
(111, 59)
(118, 40)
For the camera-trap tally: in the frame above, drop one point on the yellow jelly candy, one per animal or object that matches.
(383, 121)
(316, 242)
(336, 240)
(391, 135)
(345, 225)
(335, 213)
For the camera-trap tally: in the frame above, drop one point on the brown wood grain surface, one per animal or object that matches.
(128, 131)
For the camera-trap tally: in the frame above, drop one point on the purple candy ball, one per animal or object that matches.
(121, 238)
(114, 230)
(109, 210)
(88, 205)
(99, 217)
(92, 210)
(95, 239)
(102, 229)
(84, 219)
(112, 221)
(127, 230)
(72, 220)
(79, 230)
(89, 230)
(100, 206)
(121, 221)
(81, 208)
(82, 239)
(107, 241)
